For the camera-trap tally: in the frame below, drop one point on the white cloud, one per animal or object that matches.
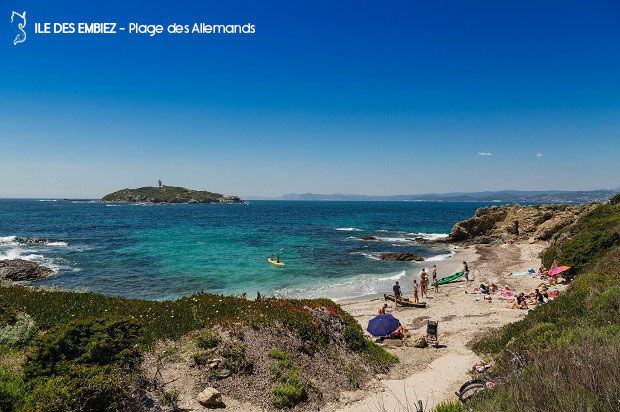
(485, 154)
(539, 155)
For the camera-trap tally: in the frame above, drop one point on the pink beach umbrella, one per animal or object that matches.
(558, 270)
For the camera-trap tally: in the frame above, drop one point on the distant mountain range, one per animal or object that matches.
(543, 196)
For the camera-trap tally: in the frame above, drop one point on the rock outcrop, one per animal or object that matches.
(510, 223)
(401, 257)
(369, 238)
(23, 270)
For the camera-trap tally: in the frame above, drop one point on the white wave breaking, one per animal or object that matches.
(429, 236)
(7, 240)
(348, 229)
(397, 276)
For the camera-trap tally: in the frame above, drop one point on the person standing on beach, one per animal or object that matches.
(436, 284)
(397, 292)
(434, 273)
(465, 270)
(424, 282)
(416, 299)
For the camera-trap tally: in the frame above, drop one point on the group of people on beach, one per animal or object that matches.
(420, 290)
(538, 296)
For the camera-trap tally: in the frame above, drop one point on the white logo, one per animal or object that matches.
(21, 37)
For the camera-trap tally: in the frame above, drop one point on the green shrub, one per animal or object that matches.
(289, 389)
(278, 354)
(81, 388)
(606, 306)
(615, 200)
(207, 340)
(354, 337)
(235, 359)
(169, 398)
(290, 393)
(596, 233)
(82, 365)
(200, 358)
(89, 342)
(450, 406)
(8, 315)
(12, 390)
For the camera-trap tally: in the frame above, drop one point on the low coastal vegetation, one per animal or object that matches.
(68, 351)
(572, 344)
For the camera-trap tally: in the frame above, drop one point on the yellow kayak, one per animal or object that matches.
(275, 262)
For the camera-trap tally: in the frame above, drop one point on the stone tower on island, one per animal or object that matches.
(160, 184)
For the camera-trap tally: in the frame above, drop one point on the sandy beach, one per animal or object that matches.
(433, 375)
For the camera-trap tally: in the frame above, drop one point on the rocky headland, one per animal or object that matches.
(510, 223)
(167, 194)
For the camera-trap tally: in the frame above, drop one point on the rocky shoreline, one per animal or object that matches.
(512, 223)
(19, 270)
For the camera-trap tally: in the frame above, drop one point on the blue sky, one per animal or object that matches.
(354, 97)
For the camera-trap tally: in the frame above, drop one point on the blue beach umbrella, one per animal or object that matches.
(382, 325)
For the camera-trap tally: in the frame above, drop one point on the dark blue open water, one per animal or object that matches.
(167, 251)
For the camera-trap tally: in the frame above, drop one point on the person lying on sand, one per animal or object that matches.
(519, 302)
(492, 288)
(483, 289)
(382, 308)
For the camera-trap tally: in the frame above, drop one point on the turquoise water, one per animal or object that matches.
(167, 251)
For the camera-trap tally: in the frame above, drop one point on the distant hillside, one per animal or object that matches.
(168, 194)
(545, 196)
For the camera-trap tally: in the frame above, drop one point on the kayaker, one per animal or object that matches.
(277, 259)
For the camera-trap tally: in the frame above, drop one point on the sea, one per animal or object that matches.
(164, 252)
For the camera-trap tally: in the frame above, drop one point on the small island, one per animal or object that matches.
(167, 194)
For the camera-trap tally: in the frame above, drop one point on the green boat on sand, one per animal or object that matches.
(451, 278)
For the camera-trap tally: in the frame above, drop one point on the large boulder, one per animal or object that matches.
(210, 398)
(401, 256)
(23, 270)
